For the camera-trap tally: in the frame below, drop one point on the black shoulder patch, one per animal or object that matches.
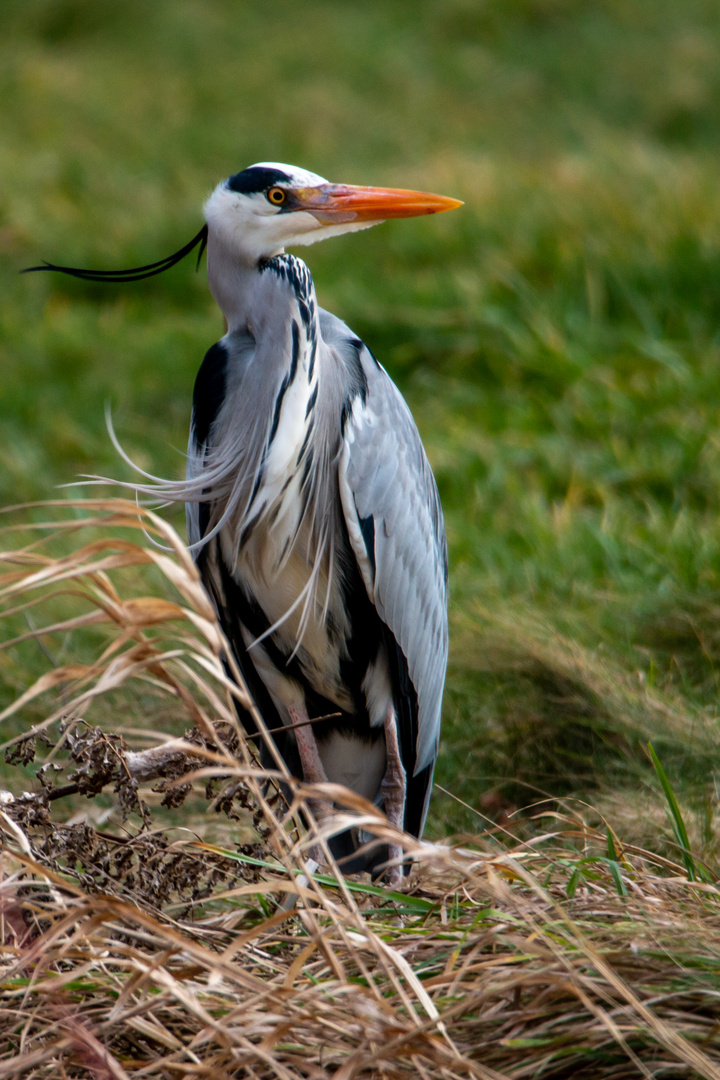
(255, 179)
(359, 378)
(209, 392)
(372, 354)
(358, 383)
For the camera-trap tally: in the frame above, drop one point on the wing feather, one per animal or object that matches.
(384, 474)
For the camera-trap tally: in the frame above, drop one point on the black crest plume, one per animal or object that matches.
(135, 273)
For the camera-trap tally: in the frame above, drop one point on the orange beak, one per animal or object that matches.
(334, 203)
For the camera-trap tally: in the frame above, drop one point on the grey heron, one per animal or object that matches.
(312, 510)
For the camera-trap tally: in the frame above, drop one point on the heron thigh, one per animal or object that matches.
(356, 762)
(394, 790)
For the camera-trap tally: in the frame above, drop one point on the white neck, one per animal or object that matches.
(231, 280)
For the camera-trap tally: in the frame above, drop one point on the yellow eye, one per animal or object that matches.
(276, 196)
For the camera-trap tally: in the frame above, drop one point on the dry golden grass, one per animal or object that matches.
(133, 947)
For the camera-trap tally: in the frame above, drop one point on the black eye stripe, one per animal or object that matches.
(256, 180)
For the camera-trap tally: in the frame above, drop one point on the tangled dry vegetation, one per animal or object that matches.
(134, 946)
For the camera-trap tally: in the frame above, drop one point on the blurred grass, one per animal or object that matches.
(556, 339)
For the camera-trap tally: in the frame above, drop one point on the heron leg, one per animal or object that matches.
(393, 791)
(312, 767)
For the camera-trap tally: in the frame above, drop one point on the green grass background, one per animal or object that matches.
(557, 338)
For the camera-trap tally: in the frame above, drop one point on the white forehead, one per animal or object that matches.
(298, 177)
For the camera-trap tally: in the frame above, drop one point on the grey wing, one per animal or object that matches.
(394, 519)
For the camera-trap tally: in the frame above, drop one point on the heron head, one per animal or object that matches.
(256, 213)
(259, 212)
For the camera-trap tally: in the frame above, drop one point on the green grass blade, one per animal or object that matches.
(614, 865)
(617, 877)
(676, 818)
